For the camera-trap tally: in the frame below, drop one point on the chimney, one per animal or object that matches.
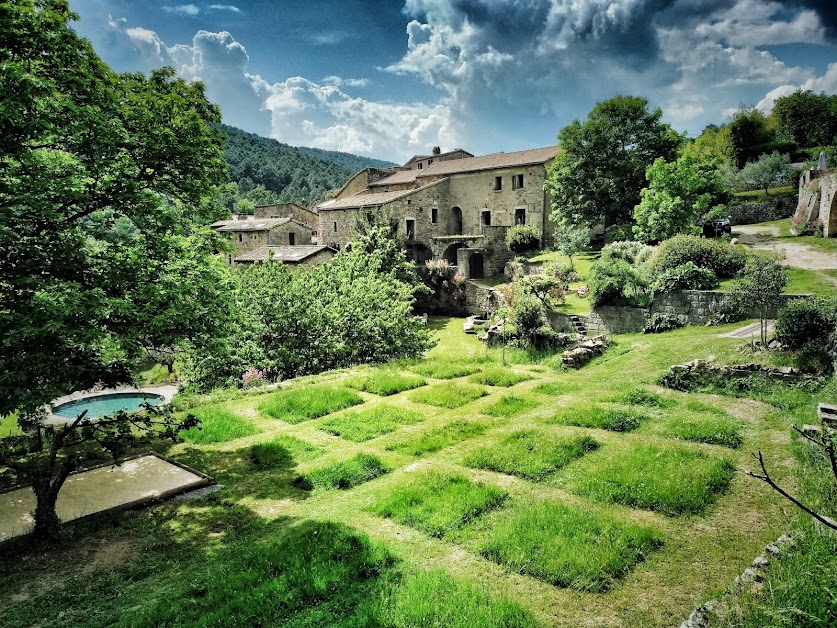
(437, 150)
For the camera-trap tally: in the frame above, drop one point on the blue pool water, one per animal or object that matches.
(105, 405)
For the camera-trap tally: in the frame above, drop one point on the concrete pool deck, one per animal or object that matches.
(134, 482)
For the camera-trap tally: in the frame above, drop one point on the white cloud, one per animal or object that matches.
(224, 7)
(826, 83)
(182, 9)
(348, 82)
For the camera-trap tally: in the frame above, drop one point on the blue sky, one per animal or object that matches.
(394, 78)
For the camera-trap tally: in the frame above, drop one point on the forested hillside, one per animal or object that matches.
(268, 171)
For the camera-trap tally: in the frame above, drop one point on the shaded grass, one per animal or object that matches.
(9, 426)
(434, 599)
(386, 383)
(499, 377)
(673, 480)
(613, 418)
(308, 402)
(642, 397)
(531, 454)
(566, 547)
(345, 475)
(450, 395)
(510, 406)
(365, 423)
(445, 370)
(281, 450)
(436, 503)
(217, 425)
(436, 439)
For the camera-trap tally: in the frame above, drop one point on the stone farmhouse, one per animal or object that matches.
(448, 205)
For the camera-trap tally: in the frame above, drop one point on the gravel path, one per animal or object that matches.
(795, 254)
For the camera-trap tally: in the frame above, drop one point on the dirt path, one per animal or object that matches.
(795, 254)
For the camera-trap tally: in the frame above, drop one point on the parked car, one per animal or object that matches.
(717, 227)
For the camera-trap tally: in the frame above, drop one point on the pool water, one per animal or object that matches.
(105, 405)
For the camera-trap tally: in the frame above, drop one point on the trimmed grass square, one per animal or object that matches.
(217, 425)
(713, 429)
(551, 388)
(587, 551)
(673, 480)
(308, 402)
(499, 377)
(282, 451)
(435, 440)
(386, 383)
(531, 454)
(345, 475)
(510, 406)
(365, 423)
(439, 504)
(612, 418)
(445, 370)
(642, 397)
(450, 395)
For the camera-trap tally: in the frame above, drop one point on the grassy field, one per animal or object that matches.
(487, 495)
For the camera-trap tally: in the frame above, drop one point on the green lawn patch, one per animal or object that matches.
(365, 423)
(387, 383)
(551, 388)
(510, 406)
(436, 599)
(345, 475)
(450, 395)
(705, 428)
(499, 377)
(673, 480)
(531, 454)
(566, 547)
(217, 425)
(612, 418)
(445, 370)
(436, 439)
(642, 397)
(282, 451)
(439, 504)
(308, 402)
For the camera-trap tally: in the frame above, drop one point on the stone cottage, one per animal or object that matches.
(448, 205)
(303, 255)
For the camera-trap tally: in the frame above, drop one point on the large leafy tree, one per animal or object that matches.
(104, 179)
(807, 118)
(600, 171)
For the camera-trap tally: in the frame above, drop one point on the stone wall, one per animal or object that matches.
(750, 213)
(818, 201)
(481, 300)
(280, 235)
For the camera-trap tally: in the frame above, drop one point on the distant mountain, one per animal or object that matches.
(288, 173)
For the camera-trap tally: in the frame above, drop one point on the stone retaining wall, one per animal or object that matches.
(481, 300)
(775, 209)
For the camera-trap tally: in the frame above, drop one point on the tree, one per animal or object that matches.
(761, 288)
(571, 239)
(749, 135)
(677, 194)
(523, 239)
(765, 171)
(807, 118)
(599, 173)
(104, 181)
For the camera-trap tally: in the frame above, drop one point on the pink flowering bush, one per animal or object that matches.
(253, 377)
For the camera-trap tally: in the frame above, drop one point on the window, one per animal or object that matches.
(434, 215)
(430, 161)
(411, 228)
(485, 218)
(334, 224)
(520, 216)
(420, 165)
(240, 238)
(291, 238)
(498, 184)
(517, 182)
(409, 201)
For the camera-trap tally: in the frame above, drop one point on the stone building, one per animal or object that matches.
(246, 233)
(304, 255)
(458, 207)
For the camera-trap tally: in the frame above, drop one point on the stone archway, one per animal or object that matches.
(456, 221)
(419, 253)
(450, 253)
(476, 266)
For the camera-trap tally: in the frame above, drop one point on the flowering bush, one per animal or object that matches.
(447, 287)
(253, 377)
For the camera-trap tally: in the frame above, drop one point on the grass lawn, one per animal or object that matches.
(499, 377)
(395, 529)
(217, 425)
(759, 195)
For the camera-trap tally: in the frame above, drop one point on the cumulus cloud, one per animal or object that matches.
(826, 83)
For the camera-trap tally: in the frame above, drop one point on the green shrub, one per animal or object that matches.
(344, 475)
(630, 251)
(308, 402)
(722, 258)
(613, 281)
(687, 276)
(523, 239)
(805, 320)
(663, 321)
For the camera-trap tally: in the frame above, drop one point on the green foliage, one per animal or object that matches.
(509, 406)
(807, 118)
(282, 452)
(586, 551)
(765, 171)
(447, 288)
(217, 424)
(722, 258)
(663, 321)
(523, 239)
(497, 376)
(453, 395)
(672, 480)
(308, 402)
(749, 135)
(571, 239)
(435, 440)
(614, 281)
(533, 455)
(678, 193)
(611, 418)
(345, 475)
(686, 276)
(805, 320)
(386, 382)
(599, 174)
(439, 504)
(631, 251)
(366, 423)
(761, 288)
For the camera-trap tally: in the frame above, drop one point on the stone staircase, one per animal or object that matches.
(578, 323)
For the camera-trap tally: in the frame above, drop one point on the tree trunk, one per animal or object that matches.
(46, 495)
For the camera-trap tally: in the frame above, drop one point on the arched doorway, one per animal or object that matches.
(456, 220)
(476, 268)
(450, 253)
